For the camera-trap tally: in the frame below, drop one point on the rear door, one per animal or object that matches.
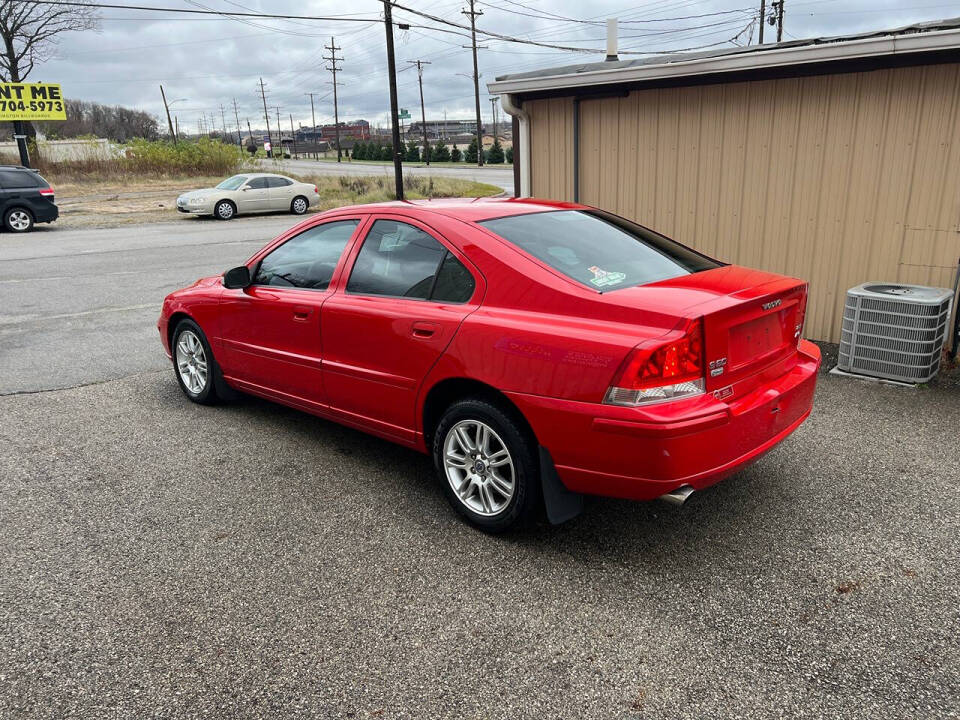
(270, 331)
(254, 196)
(281, 192)
(407, 293)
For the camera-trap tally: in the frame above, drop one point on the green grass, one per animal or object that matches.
(143, 159)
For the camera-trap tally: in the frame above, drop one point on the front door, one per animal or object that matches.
(406, 296)
(270, 331)
(254, 196)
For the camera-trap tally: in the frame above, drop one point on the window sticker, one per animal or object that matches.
(604, 278)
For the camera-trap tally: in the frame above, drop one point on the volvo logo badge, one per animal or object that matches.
(772, 304)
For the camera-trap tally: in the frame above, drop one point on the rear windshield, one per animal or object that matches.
(600, 250)
(232, 183)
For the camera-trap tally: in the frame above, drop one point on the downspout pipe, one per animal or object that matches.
(512, 107)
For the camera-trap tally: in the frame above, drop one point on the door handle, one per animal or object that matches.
(424, 329)
(302, 313)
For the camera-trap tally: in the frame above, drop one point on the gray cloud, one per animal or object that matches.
(211, 61)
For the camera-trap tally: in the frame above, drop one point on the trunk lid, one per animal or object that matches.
(751, 319)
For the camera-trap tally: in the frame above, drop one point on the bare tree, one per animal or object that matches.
(29, 32)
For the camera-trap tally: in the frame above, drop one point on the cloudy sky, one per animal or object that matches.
(209, 61)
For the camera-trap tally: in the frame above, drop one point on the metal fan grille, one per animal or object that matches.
(892, 338)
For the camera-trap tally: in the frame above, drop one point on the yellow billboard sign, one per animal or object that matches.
(31, 101)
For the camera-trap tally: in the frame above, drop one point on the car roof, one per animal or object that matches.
(16, 167)
(470, 209)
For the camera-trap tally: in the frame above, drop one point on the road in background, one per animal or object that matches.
(502, 177)
(81, 306)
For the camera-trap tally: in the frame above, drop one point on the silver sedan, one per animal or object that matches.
(250, 193)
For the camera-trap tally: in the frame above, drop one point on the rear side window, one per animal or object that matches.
(397, 260)
(307, 260)
(454, 282)
(278, 182)
(598, 249)
(20, 179)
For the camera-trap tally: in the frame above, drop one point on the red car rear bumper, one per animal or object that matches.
(642, 453)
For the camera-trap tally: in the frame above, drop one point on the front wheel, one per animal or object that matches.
(224, 210)
(18, 220)
(193, 363)
(487, 464)
(299, 205)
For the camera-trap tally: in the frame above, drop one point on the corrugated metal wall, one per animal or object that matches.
(836, 179)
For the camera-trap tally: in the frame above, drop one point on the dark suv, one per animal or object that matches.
(25, 199)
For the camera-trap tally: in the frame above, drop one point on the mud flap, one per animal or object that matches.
(561, 504)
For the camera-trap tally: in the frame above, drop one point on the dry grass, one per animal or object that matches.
(99, 202)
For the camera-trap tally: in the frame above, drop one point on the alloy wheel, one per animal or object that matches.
(479, 467)
(191, 362)
(225, 211)
(19, 220)
(299, 206)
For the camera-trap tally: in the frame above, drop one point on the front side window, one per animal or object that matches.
(397, 260)
(232, 183)
(598, 249)
(307, 260)
(258, 183)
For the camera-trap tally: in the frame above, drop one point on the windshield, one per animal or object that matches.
(598, 249)
(232, 183)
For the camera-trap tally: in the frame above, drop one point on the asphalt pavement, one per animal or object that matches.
(163, 559)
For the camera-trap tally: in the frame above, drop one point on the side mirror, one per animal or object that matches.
(237, 278)
(244, 188)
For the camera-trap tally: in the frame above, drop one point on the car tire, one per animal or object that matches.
(224, 210)
(18, 220)
(193, 363)
(299, 205)
(494, 485)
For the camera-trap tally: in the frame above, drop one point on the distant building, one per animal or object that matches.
(443, 128)
(355, 130)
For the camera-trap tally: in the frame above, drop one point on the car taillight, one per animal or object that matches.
(661, 371)
(801, 316)
(46, 191)
(316, 190)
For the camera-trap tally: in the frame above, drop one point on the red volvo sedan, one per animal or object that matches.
(539, 350)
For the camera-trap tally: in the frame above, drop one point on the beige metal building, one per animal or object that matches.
(835, 160)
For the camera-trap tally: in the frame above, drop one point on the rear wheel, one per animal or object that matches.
(224, 210)
(193, 363)
(18, 220)
(299, 205)
(487, 465)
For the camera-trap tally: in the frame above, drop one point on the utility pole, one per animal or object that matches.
(176, 127)
(394, 107)
(250, 133)
(474, 13)
(173, 135)
(313, 119)
(293, 136)
(423, 113)
(236, 114)
(763, 18)
(779, 4)
(332, 67)
(493, 112)
(223, 120)
(279, 133)
(266, 115)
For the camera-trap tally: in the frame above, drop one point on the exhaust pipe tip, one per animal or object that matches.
(678, 496)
